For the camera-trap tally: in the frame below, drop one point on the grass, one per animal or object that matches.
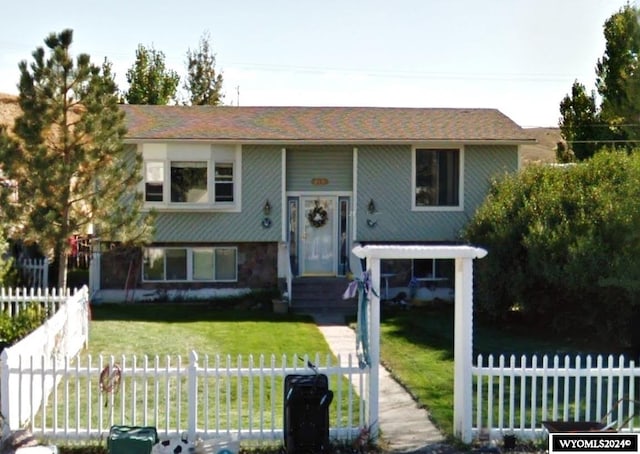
(176, 329)
(169, 330)
(417, 346)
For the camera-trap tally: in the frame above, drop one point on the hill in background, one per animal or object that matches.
(544, 151)
(9, 109)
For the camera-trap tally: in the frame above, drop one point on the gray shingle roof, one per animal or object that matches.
(320, 124)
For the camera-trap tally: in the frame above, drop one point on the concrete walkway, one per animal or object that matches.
(404, 427)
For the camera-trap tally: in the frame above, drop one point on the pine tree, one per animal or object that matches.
(203, 84)
(67, 156)
(150, 81)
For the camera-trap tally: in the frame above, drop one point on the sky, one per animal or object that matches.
(518, 56)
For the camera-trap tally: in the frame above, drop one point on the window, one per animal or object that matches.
(154, 181)
(203, 260)
(215, 264)
(225, 266)
(176, 264)
(190, 177)
(189, 182)
(153, 264)
(437, 177)
(224, 182)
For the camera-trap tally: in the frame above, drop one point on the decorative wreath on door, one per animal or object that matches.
(317, 216)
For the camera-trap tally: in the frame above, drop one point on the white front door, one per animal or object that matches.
(318, 249)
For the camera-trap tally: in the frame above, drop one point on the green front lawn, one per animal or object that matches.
(177, 329)
(417, 346)
(223, 336)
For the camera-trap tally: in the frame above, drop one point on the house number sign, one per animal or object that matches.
(319, 181)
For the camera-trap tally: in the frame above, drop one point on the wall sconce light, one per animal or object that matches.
(266, 209)
(371, 208)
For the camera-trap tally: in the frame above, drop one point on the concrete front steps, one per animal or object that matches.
(312, 295)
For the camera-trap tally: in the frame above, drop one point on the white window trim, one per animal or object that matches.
(160, 154)
(190, 278)
(460, 206)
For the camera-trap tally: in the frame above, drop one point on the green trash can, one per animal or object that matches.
(131, 439)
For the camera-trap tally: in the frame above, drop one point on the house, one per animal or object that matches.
(253, 197)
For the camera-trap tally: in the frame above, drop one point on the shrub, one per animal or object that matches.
(27, 320)
(564, 246)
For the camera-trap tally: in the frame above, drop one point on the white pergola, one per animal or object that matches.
(463, 324)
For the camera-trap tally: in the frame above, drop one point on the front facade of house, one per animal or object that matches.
(248, 195)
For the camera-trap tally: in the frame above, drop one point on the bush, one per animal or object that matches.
(564, 246)
(27, 320)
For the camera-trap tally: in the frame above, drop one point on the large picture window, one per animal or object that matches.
(189, 182)
(215, 264)
(437, 177)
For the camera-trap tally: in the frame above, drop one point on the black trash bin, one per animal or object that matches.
(306, 413)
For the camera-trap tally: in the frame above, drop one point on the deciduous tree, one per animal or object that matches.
(618, 67)
(66, 153)
(579, 123)
(150, 81)
(616, 121)
(203, 83)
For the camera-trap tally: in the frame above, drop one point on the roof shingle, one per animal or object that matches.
(320, 124)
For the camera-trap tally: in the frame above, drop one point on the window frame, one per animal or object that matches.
(190, 264)
(414, 177)
(212, 155)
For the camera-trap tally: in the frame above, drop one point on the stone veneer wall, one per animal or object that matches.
(257, 268)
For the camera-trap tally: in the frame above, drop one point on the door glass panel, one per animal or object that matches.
(293, 235)
(319, 239)
(343, 237)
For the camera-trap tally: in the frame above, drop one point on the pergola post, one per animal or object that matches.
(463, 324)
(462, 349)
(373, 266)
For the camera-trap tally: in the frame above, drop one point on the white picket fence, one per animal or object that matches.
(13, 301)
(517, 394)
(204, 396)
(62, 335)
(35, 272)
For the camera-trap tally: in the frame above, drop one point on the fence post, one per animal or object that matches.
(45, 273)
(5, 397)
(85, 315)
(193, 395)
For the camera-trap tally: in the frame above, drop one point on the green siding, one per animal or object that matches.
(384, 175)
(483, 163)
(261, 180)
(335, 164)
